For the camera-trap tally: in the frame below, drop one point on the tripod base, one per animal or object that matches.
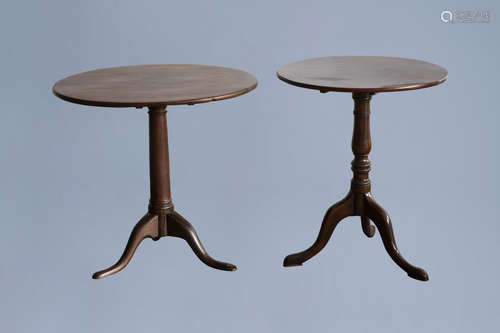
(363, 205)
(155, 226)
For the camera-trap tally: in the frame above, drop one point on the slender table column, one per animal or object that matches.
(160, 201)
(159, 169)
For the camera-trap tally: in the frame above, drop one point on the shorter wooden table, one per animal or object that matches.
(363, 77)
(155, 87)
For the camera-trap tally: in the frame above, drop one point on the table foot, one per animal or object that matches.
(177, 226)
(383, 222)
(147, 227)
(368, 229)
(333, 216)
(153, 226)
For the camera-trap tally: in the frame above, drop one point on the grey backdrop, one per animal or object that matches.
(254, 174)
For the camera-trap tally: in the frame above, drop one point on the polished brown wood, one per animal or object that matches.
(161, 220)
(154, 85)
(146, 86)
(360, 76)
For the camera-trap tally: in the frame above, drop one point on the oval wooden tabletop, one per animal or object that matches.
(362, 74)
(152, 85)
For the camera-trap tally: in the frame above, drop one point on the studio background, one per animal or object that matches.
(253, 174)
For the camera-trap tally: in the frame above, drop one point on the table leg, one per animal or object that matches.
(359, 201)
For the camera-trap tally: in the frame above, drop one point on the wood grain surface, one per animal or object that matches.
(154, 85)
(362, 74)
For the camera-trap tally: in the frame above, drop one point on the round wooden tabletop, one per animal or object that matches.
(154, 85)
(362, 74)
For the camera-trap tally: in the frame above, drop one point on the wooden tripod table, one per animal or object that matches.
(155, 87)
(363, 77)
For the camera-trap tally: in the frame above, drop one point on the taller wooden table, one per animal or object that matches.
(155, 87)
(363, 77)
